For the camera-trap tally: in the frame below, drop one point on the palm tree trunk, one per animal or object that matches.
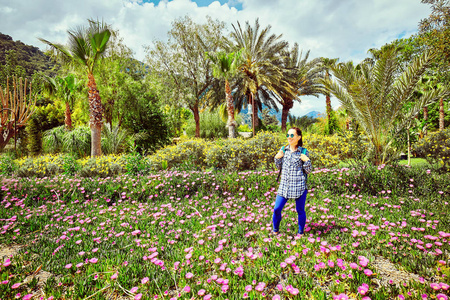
(253, 114)
(197, 120)
(68, 117)
(425, 118)
(95, 117)
(441, 114)
(288, 104)
(328, 104)
(231, 122)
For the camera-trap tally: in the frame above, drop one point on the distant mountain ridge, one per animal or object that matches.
(31, 58)
(314, 114)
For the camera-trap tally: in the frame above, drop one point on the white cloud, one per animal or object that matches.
(329, 28)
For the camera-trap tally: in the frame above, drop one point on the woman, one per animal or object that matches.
(293, 178)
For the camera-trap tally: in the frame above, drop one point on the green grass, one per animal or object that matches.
(415, 162)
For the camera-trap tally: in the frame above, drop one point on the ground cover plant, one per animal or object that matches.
(206, 235)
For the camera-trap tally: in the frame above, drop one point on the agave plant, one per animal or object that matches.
(78, 141)
(53, 139)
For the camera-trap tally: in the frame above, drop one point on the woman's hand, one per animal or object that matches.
(303, 157)
(279, 155)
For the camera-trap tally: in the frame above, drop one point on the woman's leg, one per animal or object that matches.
(300, 207)
(279, 204)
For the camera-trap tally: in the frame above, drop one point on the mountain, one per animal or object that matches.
(314, 114)
(247, 119)
(30, 58)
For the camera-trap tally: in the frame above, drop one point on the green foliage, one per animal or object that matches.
(384, 180)
(145, 119)
(7, 165)
(77, 142)
(244, 128)
(103, 166)
(53, 139)
(35, 138)
(332, 125)
(304, 123)
(22, 60)
(113, 140)
(435, 148)
(211, 126)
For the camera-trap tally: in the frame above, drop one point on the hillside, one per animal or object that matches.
(29, 57)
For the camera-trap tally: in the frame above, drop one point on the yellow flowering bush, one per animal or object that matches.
(328, 151)
(102, 166)
(435, 148)
(40, 166)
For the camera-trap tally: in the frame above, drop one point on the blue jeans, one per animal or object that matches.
(299, 206)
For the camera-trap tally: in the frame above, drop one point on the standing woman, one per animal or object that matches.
(295, 167)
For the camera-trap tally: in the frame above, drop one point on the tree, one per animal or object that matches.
(225, 66)
(64, 88)
(16, 107)
(86, 46)
(183, 66)
(260, 73)
(300, 78)
(435, 32)
(327, 64)
(374, 96)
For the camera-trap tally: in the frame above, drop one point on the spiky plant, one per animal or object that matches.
(374, 96)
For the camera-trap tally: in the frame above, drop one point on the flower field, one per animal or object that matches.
(207, 235)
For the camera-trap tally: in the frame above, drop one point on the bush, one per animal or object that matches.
(103, 166)
(244, 128)
(7, 165)
(211, 126)
(435, 148)
(41, 166)
(329, 151)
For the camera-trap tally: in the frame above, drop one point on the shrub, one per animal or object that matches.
(244, 128)
(7, 165)
(211, 126)
(41, 166)
(103, 166)
(435, 148)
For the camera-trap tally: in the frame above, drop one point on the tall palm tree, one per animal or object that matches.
(63, 88)
(86, 46)
(300, 78)
(375, 94)
(259, 71)
(225, 67)
(327, 64)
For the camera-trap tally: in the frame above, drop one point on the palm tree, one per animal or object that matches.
(259, 71)
(64, 88)
(327, 64)
(374, 96)
(86, 46)
(300, 78)
(225, 66)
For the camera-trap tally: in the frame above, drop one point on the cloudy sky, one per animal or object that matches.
(343, 29)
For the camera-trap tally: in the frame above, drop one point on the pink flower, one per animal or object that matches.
(444, 286)
(134, 289)
(27, 297)
(93, 260)
(201, 292)
(187, 289)
(248, 288)
(114, 276)
(138, 297)
(78, 242)
(368, 272)
(276, 297)
(189, 275)
(435, 286)
(340, 297)
(144, 280)
(207, 297)
(15, 285)
(68, 266)
(366, 298)
(441, 297)
(7, 262)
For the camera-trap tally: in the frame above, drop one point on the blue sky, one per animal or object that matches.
(205, 3)
(343, 29)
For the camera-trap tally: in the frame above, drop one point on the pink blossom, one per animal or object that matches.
(93, 260)
(134, 289)
(248, 288)
(276, 297)
(189, 275)
(7, 262)
(368, 272)
(15, 285)
(114, 276)
(201, 292)
(441, 297)
(138, 297)
(27, 297)
(187, 289)
(68, 266)
(144, 280)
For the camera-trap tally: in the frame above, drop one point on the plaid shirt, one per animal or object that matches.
(293, 174)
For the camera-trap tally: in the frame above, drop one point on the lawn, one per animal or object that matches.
(206, 235)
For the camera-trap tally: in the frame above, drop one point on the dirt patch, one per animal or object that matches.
(7, 251)
(389, 273)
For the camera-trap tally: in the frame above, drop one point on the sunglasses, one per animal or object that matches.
(290, 135)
